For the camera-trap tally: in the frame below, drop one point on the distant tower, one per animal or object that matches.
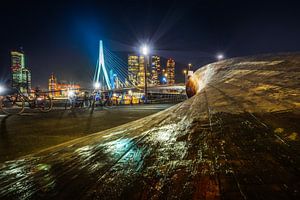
(155, 70)
(52, 85)
(101, 65)
(141, 74)
(170, 71)
(117, 82)
(111, 78)
(136, 69)
(133, 68)
(21, 76)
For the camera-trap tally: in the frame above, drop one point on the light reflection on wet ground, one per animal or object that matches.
(44, 130)
(227, 142)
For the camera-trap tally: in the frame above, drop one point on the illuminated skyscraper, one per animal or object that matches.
(136, 69)
(170, 71)
(155, 70)
(21, 76)
(133, 69)
(141, 74)
(143, 62)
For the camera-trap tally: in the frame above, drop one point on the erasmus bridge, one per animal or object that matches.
(111, 76)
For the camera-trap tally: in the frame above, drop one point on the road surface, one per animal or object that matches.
(237, 138)
(34, 131)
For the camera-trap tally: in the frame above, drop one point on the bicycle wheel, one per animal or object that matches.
(86, 103)
(12, 104)
(69, 104)
(44, 104)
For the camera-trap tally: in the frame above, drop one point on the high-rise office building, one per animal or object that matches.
(141, 74)
(143, 62)
(170, 71)
(21, 76)
(155, 70)
(133, 69)
(136, 69)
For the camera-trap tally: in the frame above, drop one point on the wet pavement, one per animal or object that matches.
(34, 131)
(237, 138)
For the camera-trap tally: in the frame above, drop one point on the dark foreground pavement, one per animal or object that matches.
(238, 138)
(34, 131)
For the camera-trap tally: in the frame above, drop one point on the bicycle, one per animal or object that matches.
(14, 102)
(74, 101)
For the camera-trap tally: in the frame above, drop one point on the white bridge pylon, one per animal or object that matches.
(101, 65)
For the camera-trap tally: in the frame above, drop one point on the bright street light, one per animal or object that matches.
(71, 93)
(145, 50)
(184, 71)
(1, 89)
(97, 85)
(220, 56)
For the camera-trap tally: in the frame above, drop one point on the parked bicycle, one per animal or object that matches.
(12, 101)
(76, 101)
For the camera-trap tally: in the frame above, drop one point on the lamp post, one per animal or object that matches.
(145, 51)
(184, 72)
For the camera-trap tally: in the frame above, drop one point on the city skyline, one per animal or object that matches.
(154, 73)
(135, 72)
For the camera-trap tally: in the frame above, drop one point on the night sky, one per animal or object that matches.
(62, 36)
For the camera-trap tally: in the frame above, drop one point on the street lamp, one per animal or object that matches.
(145, 51)
(2, 89)
(184, 72)
(190, 66)
(220, 56)
(71, 93)
(97, 85)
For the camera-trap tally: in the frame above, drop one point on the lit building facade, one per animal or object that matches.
(136, 69)
(155, 70)
(21, 76)
(57, 89)
(143, 62)
(141, 74)
(133, 69)
(52, 86)
(170, 71)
